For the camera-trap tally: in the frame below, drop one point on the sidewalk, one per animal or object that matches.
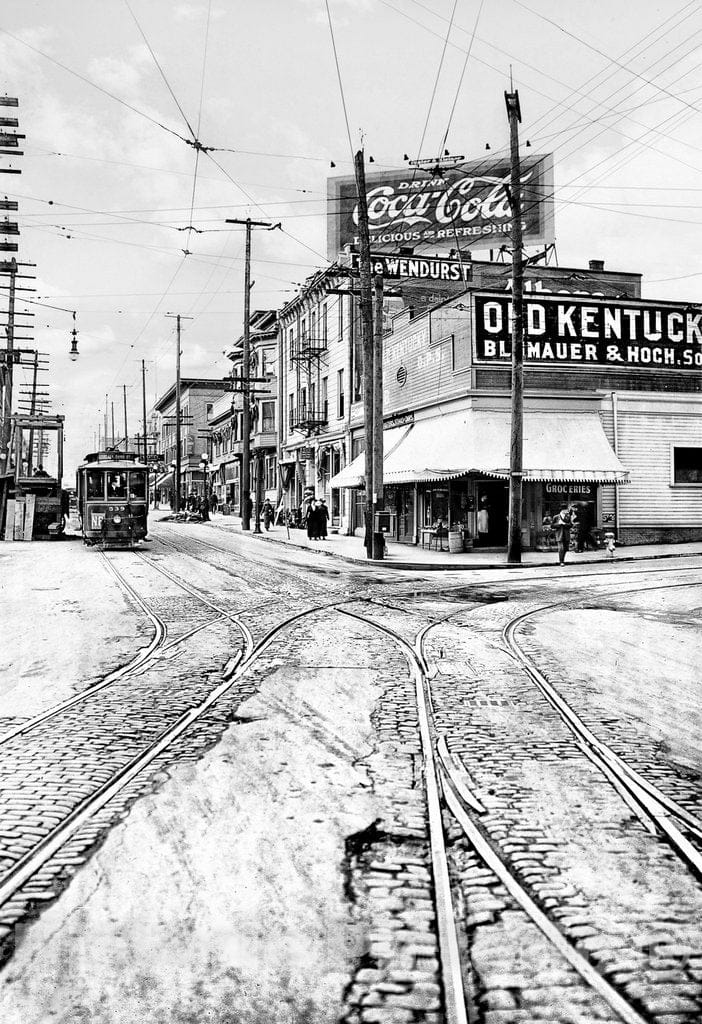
(405, 556)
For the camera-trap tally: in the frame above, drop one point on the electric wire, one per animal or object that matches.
(436, 78)
(339, 80)
(460, 80)
(93, 85)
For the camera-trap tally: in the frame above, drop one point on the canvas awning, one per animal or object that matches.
(569, 446)
(354, 474)
(166, 480)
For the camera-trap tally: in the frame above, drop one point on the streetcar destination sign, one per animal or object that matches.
(419, 268)
(620, 332)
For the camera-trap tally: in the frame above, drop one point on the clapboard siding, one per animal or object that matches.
(644, 440)
(608, 495)
(424, 348)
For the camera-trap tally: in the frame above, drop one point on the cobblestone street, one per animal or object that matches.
(253, 784)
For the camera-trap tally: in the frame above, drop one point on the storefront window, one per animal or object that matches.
(436, 506)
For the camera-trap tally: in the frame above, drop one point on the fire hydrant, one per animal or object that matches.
(610, 544)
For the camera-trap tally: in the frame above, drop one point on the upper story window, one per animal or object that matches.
(267, 417)
(324, 325)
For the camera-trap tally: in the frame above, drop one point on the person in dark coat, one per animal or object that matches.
(323, 513)
(205, 509)
(267, 512)
(561, 527)
(213, 502)
(313, 521)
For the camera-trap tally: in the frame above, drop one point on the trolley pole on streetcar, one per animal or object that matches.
(143, 406)
(245, 500)
(514, 542)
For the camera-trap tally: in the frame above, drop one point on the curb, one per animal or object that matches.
(406, 566)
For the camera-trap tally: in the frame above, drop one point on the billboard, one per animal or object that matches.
(463, 207)
(590, 331)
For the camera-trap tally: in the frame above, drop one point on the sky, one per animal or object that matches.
(111, 90)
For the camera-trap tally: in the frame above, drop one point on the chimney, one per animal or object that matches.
(596, 265)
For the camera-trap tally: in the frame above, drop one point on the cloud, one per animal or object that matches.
(194, 12)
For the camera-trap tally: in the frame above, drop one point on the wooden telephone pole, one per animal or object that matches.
(245, 500)
(178, 417)
(514, 540)
(366, 304)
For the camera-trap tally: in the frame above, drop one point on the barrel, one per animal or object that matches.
(455, 540)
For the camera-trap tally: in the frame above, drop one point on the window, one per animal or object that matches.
(116, 485)
(95, 488)
(267, 417)
(340, 394)
(137, 486)
(687, 465)
(291, 404)
(340, 311)
(270, 480)
(313, 327)
(291, 343)
(324, 325)
(208, 408)
(323, 394)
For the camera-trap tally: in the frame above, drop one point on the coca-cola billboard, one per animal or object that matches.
(466, 207)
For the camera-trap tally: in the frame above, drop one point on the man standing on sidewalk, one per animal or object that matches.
(561, 527)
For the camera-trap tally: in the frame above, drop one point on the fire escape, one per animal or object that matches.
(308, 352)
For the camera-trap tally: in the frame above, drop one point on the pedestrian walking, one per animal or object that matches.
(267, 511)
(205, 509)
(323, 513)
(214, 502)
(312, 521)
(561, 527)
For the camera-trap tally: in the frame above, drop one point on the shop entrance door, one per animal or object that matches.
(405, 515)
(493, 496)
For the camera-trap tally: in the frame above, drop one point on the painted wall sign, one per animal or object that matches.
(466, 205)
(420, 268)
(607, 332)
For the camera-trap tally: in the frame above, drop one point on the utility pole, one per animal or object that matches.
(32, 411)
(366, 303)
(104, 433)
(143, 405)
(245, 502)
(514, 540)
(126, 431)
(112, 409)
(176, 482)
(378, 406)
(9, 369)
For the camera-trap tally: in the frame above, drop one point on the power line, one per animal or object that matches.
(338, 77)
(460, 80)
(436, 79)
(93, 85)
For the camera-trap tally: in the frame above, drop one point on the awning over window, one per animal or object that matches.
(557, 446)
(353, 475)
(166, 480)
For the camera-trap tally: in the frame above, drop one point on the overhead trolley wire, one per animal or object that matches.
(94, 85)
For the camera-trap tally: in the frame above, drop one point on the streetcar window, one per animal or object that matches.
(94, 488)
(116, 485)
(137, 486)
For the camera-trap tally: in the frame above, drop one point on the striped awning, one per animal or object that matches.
(568, 446)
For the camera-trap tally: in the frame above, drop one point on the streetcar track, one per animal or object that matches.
(27, 865)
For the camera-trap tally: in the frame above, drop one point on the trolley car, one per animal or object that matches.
(112, 491)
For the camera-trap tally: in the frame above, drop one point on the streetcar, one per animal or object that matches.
(112, 490)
